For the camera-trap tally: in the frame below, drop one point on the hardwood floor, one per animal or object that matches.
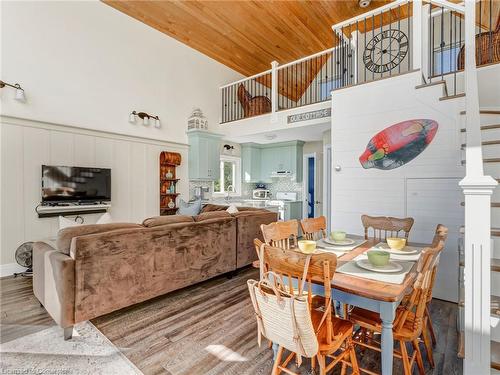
(205, 329)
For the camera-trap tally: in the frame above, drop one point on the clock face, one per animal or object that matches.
(385, 51)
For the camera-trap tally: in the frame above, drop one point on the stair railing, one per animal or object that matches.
(477, 189)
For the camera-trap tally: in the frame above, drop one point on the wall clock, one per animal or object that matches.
(385, 51)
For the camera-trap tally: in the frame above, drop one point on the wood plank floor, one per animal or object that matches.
(206, 329)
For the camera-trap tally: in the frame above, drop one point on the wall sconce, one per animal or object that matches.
(145, 118)
(19, 90)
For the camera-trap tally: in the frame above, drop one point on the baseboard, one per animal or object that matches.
(10, 268)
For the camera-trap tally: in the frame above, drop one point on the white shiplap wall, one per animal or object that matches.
(358, 113)
(26, 145)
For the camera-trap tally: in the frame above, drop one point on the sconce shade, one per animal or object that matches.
(20, 95)
(131, 118)
(157, 123)
(145, 121)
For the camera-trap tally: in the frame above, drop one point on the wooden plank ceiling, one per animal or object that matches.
(247, 35)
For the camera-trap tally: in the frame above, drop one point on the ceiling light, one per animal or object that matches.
(364, 3)
(132, 118)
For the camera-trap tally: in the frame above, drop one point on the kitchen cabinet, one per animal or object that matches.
(250, 162)
(293, 210)
(259, 161)
(204, 155)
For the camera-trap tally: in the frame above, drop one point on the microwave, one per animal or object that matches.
(261, 194)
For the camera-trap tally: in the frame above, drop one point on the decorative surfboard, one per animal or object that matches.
(398, 144)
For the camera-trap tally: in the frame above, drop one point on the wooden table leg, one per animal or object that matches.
(387, 314)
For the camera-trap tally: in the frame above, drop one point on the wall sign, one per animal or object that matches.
(306, 116)
(398, 144)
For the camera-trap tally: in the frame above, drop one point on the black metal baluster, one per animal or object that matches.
(456, 47)
(478, 63)
(373, 46)
(490, 31)
(381, 45)
(433, 30)
(442, 42)
(431, 44)
(357, 53)
(410, 43)
(399, 28)
(364, 49)
(451, 38)
(390, 42)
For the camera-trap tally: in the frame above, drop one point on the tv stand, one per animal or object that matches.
(76, 208)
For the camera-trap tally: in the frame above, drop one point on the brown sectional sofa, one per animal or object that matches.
(97, 269)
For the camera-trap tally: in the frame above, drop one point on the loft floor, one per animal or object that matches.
(206, 329)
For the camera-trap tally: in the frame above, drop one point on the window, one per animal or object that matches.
(445, 61)
(230, 176)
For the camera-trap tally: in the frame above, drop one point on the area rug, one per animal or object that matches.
(46, 352)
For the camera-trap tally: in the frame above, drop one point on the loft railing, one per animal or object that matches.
(445, 55)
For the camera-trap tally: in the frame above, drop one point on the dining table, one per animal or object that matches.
(379, 296)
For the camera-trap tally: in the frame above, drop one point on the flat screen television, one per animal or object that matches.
(75, 184)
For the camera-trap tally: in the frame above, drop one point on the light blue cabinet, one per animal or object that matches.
(250, 162)
(259, 161)
(204, 155)
(293, 210)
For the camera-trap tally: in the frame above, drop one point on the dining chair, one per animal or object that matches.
(386, 226)
(281, 233)
(314, 228)
(439, 237)
(334, 334)
(410, 322)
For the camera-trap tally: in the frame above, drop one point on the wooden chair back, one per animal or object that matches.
(281, 233)
(289, 264)
(314, 228)
(386, 226)
(417, 301)
(440, 236)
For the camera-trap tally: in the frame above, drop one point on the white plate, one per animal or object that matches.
(385, 247)
(322, 245)
(345, 242)
(389, 268)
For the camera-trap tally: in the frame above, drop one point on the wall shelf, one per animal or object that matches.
(169, 161)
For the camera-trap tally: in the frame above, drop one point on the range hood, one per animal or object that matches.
(279, 174)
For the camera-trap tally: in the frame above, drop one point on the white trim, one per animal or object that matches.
(10, 268)
(327, 205)
(39, 124)
(329, 50)
(246, 79)
(375, 11)
(449, 5)
(237, 176)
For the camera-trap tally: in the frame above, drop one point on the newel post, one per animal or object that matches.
(477, 189)
(274, 91)
(417, 34)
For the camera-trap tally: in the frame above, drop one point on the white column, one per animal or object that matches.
(417, 34)
(426, 47)
(477, 190)
(274, 91)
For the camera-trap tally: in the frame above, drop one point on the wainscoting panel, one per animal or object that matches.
(26, 145)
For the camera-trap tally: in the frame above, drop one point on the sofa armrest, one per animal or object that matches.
(54, 283)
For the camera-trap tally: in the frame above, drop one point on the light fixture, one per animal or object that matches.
(364, 3)
(19, 90)
(145, 118)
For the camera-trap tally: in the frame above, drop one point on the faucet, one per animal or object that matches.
(229, 190)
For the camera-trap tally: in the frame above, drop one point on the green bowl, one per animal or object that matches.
(338, 235)
(378, 258)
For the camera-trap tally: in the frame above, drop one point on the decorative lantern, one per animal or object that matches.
(197, 121)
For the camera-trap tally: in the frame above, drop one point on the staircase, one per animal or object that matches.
(490, 132)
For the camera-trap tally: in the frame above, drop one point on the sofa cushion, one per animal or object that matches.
(166, 220)
(187, 208)
(212, 215)
(64, 236)
(232, 209)
(213, 207)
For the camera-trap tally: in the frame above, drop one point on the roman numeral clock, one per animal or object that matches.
(385, 51)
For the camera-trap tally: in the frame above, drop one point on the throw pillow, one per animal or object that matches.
(232, 209)
(105, 219)
(67, 223)
(191, 209)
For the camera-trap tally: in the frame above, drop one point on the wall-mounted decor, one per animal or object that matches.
(145, 118)
(197, 121)
(398, 144)
(385, 51)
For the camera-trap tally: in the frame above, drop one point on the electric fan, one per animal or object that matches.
(23, 258)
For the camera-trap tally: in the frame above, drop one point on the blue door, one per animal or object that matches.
(311, 178)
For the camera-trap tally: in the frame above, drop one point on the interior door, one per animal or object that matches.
(432, 201)
(318, 202)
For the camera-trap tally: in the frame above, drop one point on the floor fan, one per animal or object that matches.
(24, 259)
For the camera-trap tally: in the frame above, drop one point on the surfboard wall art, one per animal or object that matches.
(398, 144)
